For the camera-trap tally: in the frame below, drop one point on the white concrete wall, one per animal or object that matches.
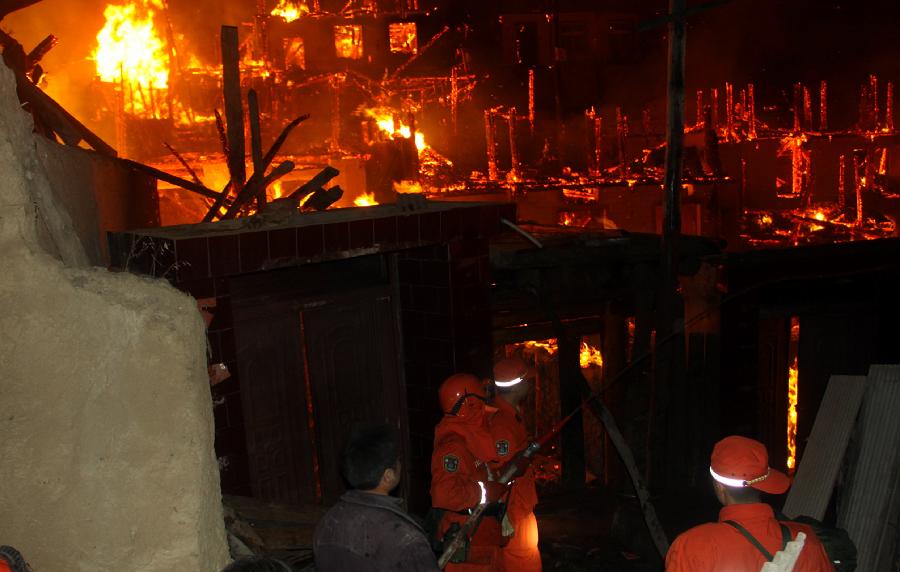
(106, 431)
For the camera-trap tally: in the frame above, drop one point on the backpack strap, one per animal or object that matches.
(785, 538)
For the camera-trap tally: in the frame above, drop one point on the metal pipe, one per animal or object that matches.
(493, 174)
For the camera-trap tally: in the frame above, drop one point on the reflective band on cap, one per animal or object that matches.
(483, 493)
(509, 383)
(728, 482)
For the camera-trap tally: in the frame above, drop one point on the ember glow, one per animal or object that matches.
(131, 53)
(290, 11)
(793, 378)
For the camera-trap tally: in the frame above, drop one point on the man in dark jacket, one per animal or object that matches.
(367, 529)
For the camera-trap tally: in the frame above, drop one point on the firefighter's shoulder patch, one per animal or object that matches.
(502, 447)
(451, 463)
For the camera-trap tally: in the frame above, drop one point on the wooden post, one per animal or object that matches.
(256, 143)
(570, 396)
(234, 112)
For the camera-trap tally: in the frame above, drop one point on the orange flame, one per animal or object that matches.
(290, 11)
(408, 187)
(589, 356)
(129, 51)
(393, 127)
(365, 200)
(793, 379)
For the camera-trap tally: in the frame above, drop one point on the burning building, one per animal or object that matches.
(364, 197)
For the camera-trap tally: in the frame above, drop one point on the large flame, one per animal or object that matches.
(365, 200)
(131, 53)
(408, 187)
(793, 379)
(289, 10)
(393, 127)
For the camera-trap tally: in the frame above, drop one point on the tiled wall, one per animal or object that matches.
(444, 286)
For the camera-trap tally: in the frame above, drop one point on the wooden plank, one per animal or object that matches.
(824, 453)
(869, 512)
(234, 111)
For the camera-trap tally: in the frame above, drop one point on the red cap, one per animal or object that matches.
(742, 462)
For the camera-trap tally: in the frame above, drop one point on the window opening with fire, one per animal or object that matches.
(348, 41)
(793, 379)
(403, 38)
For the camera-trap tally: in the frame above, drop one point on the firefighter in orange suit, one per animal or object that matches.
(461, 476)
(511, 383)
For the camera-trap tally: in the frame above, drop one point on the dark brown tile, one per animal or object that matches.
(193, 259)
(490, 220)
(254, 249)
(408, 228)
(469, 222)
(224, 256)
(410, 271)
(361, 233)
(430, 227)
(283, 244)
(385, 230)
(199, 288)
(337, 237)
(310, 241)
(435, 273)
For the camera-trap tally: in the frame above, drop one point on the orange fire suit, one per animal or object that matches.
(462, 450)
(720, 547)
(510, 436)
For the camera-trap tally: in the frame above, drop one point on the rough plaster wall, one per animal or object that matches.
(106, 453)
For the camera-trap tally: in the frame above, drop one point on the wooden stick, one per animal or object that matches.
(252, 187)
(169, 178)
(183, 163)
(267, 160)
(256, 141)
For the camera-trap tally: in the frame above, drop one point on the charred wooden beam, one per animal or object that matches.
(256, 142)
(234, 112)
(316, 183)
(39, 51)
(321, 199)
(169, 178)
(184, 163)
(58, 119)
(256, 185)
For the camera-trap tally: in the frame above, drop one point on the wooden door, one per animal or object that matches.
(273, 391)
(350, 349)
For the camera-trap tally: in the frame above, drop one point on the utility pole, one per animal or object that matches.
(668, 433)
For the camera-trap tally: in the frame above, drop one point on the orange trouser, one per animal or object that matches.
(484, 547)
(521, 554)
